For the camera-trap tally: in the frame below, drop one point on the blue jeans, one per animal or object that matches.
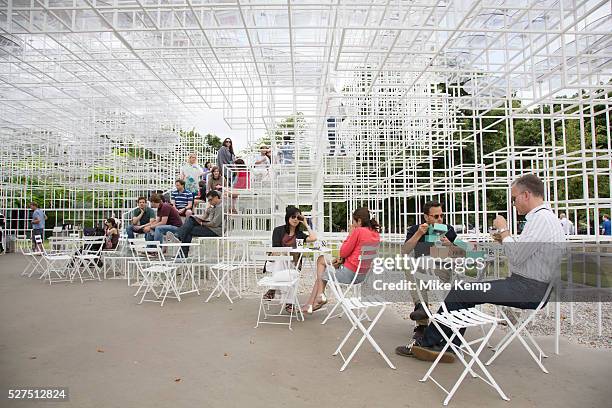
(192, 229)
(130, 230)
(159, 232)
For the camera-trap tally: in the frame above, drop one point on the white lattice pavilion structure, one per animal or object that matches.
(94, 95)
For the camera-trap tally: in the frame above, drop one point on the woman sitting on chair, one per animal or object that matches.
(286, 235)
(362, 231)
(111, 233)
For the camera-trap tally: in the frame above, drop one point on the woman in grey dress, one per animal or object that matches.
(225, 155)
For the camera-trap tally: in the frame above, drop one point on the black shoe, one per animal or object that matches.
(419, 313)
(405, 351)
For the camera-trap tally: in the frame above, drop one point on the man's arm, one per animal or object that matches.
(523, 248)
(136, 219)
(215, 220)
(162, 221)
(411, 242)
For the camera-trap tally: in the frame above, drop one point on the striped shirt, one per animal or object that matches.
(536, 253)
(181, 199)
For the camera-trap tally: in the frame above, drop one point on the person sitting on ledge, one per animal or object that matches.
(200, 197)
(208, 225)
(168, 219)
(182, 199)
(215, 180)
(532, 267)
(363, 231)
(139, 218)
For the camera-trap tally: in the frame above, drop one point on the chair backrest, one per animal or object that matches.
(93, 245)
(368, 252)
(39, 244)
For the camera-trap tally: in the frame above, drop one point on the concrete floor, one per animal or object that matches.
(111, 352)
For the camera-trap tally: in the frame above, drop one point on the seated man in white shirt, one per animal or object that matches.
(533, 258)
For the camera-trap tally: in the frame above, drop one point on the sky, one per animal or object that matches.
(211, 121)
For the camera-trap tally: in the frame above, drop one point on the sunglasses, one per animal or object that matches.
(438, 216)
(294, 217)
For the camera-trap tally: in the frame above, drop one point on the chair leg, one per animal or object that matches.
(367, 335)
(468, 365)
(516, 333)
(331, 313)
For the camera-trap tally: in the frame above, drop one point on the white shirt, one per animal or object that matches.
(537, 252)
(567, 225)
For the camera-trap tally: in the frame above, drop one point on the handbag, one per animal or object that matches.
(282, 271)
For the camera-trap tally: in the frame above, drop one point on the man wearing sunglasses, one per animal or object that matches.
(415, 240)
(533, 261)
(208, 225)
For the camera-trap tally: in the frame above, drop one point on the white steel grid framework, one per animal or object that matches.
(425, 98)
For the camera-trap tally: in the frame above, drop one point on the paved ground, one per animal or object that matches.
(111, 352)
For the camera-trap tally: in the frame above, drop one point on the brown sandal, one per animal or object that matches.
(317, 306)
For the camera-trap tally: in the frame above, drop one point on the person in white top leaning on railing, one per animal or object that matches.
(533, 258)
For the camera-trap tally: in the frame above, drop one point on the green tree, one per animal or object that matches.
(213, 141)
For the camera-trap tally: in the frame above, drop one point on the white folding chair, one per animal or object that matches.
(86, 260)
(35, 262)
(517, 325)
(279, 263)
(356, 308)
(175, 256)
(158, 276)
(456, 321)
(366, 256)
(57, 263)
(224, 272)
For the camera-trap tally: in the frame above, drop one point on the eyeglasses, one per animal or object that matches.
(513, 198)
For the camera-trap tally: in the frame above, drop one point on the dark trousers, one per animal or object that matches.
(514, 291)
(192, 229)
(37, 231)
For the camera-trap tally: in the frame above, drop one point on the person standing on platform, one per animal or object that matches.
(192, 173)
(225, 156)
(606, 227)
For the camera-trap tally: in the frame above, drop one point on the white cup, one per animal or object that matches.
(299, 243)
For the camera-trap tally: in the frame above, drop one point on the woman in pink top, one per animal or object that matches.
(363, 231)
(243, 181)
